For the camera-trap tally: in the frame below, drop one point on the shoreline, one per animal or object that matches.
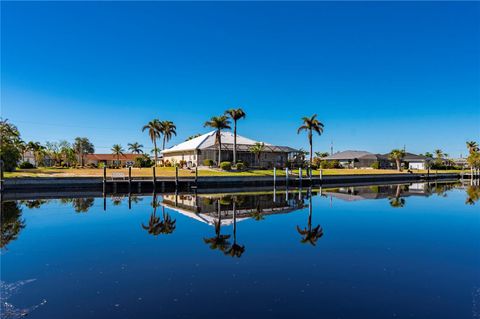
(172, 184)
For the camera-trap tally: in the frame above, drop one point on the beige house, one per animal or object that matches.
(203, 147)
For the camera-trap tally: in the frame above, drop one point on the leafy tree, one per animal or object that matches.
(311, 124)
(219, 123)
(235, 115)
(82, 146)
(192, 137)
(38, 151)
(10, 150)
(322, 154)
(154, 128)
(135, 148)
(168, 129)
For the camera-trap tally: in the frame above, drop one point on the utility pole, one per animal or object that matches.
(331, 148)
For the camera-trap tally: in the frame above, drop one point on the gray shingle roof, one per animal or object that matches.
(351, 155)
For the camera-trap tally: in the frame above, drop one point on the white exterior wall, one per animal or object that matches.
(416, 165)
(190, 157)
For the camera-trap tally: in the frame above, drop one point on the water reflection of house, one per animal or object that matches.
(206, 208)
(379, 192)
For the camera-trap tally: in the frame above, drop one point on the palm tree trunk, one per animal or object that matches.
(398, 165)
(163, 147)
(155, 149)
(235, 142)
(311, 147)
(219, 150)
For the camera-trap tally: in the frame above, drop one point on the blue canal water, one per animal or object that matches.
(397, 251)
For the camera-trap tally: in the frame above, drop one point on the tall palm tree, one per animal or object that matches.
(135, 148)
(154, 130)
(310, 235)
(438, 153)
(472, 147)
(397, 155)
(257, 150)
(167, 128)
(219, 123)
(117, 150)
(311, 124)
(235, 115)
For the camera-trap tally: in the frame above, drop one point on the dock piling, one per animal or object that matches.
(274, 177)
(176, 176)
(300, 173)
(286, 176)
(129, 179)
(154, 177)
(196, 175)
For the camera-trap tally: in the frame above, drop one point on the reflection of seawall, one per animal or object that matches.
(205, 208)
(388, 191)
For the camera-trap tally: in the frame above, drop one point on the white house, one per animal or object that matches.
(205, 146)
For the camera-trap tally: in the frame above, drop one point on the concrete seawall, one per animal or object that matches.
(169, 184)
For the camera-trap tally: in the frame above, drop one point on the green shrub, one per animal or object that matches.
(330, 164)
(143, 161)
(167, 163)
(226, 166)
(240, 166)
(208, 162)
(182, 163)
(26, 165)
(375, 165)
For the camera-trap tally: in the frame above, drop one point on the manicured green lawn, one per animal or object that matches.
(170, 171)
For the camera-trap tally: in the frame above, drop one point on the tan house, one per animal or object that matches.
(111, 160)
(203, 147)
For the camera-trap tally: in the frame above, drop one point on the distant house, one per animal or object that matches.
(203, 147)
(413, 161)
(358, 159)
(111, 160)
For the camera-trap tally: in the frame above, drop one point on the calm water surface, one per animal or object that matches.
(398, 251)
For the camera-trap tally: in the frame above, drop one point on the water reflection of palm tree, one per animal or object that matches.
(219, 241)
(168, 223)
(154, 223)
(473, 195)
(235, 250)
(310, 235)
(82, 205)
(11, 222)
(36, 203)
(257, 213)
(397, 201)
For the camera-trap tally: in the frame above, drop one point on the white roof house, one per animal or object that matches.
(208, 140)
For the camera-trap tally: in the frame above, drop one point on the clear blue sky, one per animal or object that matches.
(379, 75)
